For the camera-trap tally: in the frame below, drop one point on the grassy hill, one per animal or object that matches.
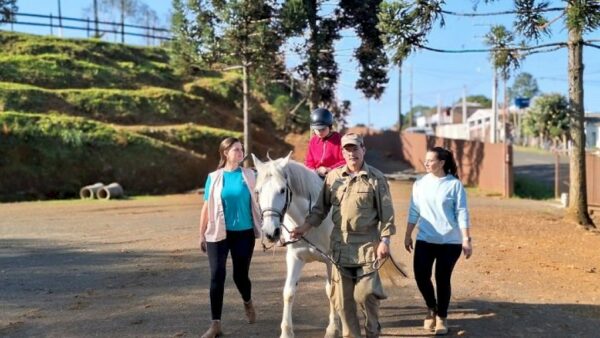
(74, 112)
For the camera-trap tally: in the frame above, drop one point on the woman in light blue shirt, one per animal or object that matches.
(438, 207)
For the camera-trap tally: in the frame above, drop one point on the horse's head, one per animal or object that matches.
(274, 194)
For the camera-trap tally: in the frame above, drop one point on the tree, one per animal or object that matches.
(362, 16)
(582, 16)
(148, 17)
(482, 100)
(183, 48)
(247, 33)
(8, 8)
(413, 113)
(548, 118)
(524, 85)
(504, 60)
(406, 26)
(202, 31)
(319, 68)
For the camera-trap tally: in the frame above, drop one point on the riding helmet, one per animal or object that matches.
(320, 118)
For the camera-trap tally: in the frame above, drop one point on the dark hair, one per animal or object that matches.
(446, 155)
(223, 147)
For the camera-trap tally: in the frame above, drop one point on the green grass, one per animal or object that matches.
(200, 139)
(62, 71)
(525, 187)
(531, 150)
(53, 156)
(88, 49)
(150, 105)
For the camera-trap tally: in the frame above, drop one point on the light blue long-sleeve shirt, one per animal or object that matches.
(438, 206)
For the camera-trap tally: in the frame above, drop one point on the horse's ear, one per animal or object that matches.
(285, 160)
(269, 156)
(257, 163)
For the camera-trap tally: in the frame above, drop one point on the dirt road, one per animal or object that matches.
(132, 269)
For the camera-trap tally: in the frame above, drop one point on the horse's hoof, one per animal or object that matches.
(333, 333)
(287, 333)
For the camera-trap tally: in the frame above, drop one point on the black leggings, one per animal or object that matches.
(445, 257)
(241, 245)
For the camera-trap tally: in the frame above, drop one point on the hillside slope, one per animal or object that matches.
(74, 112)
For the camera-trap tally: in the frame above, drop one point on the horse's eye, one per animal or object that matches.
(281, 191)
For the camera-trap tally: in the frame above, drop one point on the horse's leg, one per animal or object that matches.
(294, 270)
(333, 329)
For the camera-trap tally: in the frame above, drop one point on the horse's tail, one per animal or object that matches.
(391, 270)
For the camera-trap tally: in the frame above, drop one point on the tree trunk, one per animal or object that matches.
(247, 145)
(577, 210)
(313, 55)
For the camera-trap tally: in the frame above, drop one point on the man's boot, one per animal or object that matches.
(214, 330)
(250, 312)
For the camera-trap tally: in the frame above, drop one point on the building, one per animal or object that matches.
(592, 130)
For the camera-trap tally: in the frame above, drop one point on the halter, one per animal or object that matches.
(288, 201)
(281, 213)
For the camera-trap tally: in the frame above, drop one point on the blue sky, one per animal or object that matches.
(435, 75)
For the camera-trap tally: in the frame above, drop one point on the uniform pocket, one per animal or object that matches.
(367, 254)
(364, 197)
(337, 193)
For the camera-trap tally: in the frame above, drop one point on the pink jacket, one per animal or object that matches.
(215, 230)
(325, 153)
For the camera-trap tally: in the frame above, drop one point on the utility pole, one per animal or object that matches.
(245, 107)
(494, 108)
(400, 97)
(60, 26)
(464, 105)
(97, 35)
(505, 112)
(368, 116)
(410, 94)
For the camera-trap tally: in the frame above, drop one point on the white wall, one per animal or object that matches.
(458, 131)
(592, 135)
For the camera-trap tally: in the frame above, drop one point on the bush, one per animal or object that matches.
(525, 187)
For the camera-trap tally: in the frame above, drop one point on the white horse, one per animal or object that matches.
(286, 191)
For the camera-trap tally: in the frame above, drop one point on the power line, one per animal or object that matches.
(472, 14)
(488, 50)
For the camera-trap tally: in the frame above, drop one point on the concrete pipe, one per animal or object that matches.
(111, 191)
(90, 191)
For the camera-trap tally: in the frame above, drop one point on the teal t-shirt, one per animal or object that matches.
(236, 200)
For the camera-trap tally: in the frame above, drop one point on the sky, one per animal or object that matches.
(435, 77)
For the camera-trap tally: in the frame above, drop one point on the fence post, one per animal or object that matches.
(51, 25)
(87, 28)
(122, 32)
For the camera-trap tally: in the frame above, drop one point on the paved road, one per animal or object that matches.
(540, 167)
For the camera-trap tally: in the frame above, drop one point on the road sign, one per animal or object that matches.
(522, 102)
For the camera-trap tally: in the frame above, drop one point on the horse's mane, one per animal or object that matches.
(302, 181)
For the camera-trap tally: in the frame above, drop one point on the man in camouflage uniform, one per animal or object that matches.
(359, 199)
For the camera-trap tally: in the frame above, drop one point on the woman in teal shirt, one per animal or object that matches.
(229, 222)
